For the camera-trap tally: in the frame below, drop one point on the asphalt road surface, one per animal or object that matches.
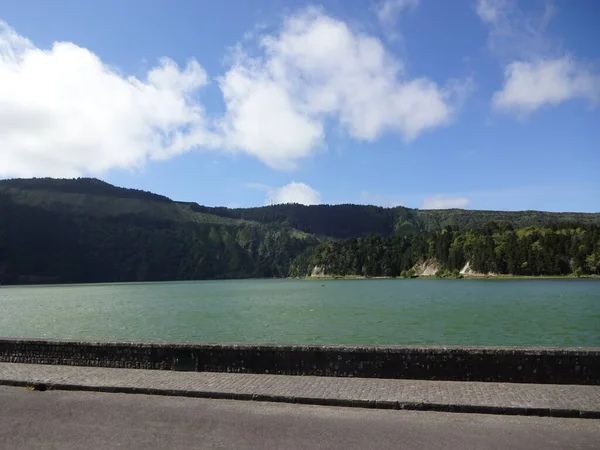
(76, 420)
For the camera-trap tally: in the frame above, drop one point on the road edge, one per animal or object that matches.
(317, 401)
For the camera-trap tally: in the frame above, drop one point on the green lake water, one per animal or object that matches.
(393, 312)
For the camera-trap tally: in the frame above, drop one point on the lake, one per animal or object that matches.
(386, 312)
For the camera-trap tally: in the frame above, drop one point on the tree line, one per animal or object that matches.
(106, 233)
(83, 185)
(40, 246)
(560, 249)
(358, 221)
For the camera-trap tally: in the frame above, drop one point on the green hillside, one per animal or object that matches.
(496, 248)
(344, 221)
(88, 196)
(68, 231)
(86, 230)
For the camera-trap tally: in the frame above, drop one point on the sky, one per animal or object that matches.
(475, 104)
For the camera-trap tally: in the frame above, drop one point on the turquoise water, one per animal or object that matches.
(394, 312)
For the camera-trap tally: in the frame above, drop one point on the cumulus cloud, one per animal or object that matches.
(294, 193)
(63, 112)
(531, 85)
(535, 75)
(444, 202)
(264, 119)
(317, 68)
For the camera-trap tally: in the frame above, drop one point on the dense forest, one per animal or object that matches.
(65, 238)
(86, 230)
(90, 186)
(39, 246)
(345, 221)
(496, 248)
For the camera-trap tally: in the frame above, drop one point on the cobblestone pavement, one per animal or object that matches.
(507, 398)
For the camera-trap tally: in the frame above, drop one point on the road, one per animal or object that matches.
(75, 420)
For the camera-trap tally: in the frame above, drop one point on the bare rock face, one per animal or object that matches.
(318, 272)
(427, 268)
(467, 271)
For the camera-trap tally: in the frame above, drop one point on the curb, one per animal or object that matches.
(370, 404)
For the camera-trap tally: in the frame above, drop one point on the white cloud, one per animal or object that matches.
(445, 202)
(388, 11)
(535, 74)
(263, 119)
(294, 193)
(317, 68)
(63, 112)
(531, 85)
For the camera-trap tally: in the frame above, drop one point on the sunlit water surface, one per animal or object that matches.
(395, 312)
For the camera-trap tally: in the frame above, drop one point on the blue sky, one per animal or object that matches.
(479, 104)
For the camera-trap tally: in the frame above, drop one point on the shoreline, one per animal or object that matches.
(322, 278)
(464, 277)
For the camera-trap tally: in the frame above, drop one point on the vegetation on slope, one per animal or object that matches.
(90, 186)
(495, 248)
(344, 221)
(86, 230)
(70, 237)
(338, 221)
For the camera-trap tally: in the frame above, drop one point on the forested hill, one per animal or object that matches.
(493, 249)
(344, 221)
(91, 186)
(86, 230)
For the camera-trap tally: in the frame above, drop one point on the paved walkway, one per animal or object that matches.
(476, 397)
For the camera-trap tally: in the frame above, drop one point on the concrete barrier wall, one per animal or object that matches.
(498, 364)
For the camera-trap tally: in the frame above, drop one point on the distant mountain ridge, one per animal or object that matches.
(91, 186)
(349, 220)
(337, 221)
(87, 230)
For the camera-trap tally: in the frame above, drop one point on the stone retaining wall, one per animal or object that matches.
(498, 364)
